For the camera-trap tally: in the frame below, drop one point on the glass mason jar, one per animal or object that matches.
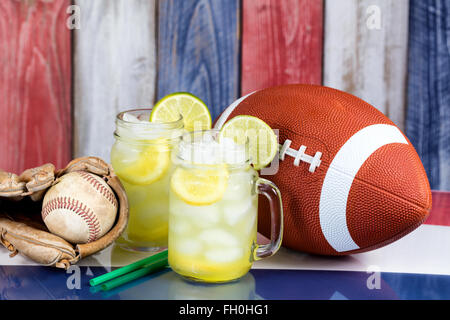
(213, 210)
(141, 158)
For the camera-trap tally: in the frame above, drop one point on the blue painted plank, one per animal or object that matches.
(199, 50)
(428, 116)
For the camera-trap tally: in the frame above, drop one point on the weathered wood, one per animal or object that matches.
(365, 52)
(428, 116)
(35, 84)
(198, 50)
(439, 214)
(281, 43)
(114, 66)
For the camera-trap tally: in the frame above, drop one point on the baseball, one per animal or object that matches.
(80, 208)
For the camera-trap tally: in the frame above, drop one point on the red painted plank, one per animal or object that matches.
(281, 43)
(440, 210)
(35, 84)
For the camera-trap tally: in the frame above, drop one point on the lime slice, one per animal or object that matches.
(263, 145)
(152, 164)
(195, 113)
(200, 187)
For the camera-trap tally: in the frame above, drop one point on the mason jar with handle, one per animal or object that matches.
(213, 209)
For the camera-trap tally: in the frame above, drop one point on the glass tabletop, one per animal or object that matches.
(36, 282)
(413, 267)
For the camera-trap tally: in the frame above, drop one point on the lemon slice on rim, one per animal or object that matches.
(196, 115)
(200, 187)
(151, 165)
(263, 143)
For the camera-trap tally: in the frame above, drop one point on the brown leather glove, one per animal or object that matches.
(21, 226)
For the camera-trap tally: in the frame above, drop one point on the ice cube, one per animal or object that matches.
(124, 154)
(206, 152)
(235, 211)
(176, 206)
(223, 255)
(232, 153)
(130, 118)
(144, 117)
(228, 143)
(186, 246)
(136, 194)
(179, 226)
(250, 223)
(200, 216)
(207, 138)
(239, 186)
(137, 127)
(205, 216)
(218, 237)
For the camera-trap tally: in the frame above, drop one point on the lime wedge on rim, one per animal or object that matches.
(263, 143)
(196, 115)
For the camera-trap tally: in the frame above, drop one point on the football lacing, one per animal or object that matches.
(300, 155)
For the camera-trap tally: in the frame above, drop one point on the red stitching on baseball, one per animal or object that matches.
(77, 207)
(99, 187)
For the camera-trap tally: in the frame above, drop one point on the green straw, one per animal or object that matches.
(156, 266)
(129, 268)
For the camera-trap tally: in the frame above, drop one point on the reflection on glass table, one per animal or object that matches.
(36, 282)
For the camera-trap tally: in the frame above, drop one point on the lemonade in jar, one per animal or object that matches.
(141, 157)
(213, 209)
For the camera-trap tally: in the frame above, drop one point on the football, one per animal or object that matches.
(350, 180)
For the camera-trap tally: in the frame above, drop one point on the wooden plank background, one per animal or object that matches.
(428, 117)
(35, 84)
(114, 66)
(368, 62)
(123, 47)
(198, 50)
(281, 43)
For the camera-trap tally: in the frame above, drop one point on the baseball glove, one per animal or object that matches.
(21, 225)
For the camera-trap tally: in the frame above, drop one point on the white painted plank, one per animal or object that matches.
(367, 58)
(114, 67)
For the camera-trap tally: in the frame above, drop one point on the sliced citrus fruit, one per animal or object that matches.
(151, 164)
(196, 115)
(200, 187)
(263, 145)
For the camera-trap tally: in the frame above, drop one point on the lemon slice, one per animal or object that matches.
(196, 115)
(151, 165)
(200, 187)
(263, 143)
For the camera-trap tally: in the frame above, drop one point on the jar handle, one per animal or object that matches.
(272, 193)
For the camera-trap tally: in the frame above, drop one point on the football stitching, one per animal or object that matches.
(99, 187)
(78, 208)
(300, 155)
